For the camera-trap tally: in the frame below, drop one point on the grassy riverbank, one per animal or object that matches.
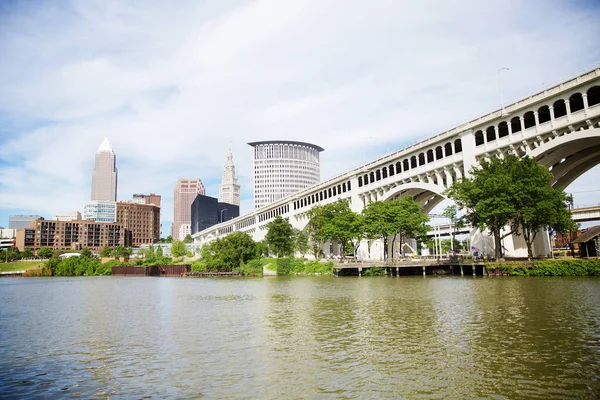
(277, 266)
(20, 266)
(562, 267)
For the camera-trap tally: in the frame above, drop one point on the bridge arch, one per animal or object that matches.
(428, 194)
(570, 156)
(593, 96)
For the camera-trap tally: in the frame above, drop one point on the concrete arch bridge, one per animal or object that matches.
(559, 127)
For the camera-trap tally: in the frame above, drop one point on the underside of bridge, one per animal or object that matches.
(570, 156)
(428, 195)
(425, 197)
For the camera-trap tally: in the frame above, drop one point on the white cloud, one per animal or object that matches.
(174, 86)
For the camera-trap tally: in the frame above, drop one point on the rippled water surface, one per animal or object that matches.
(300, 337)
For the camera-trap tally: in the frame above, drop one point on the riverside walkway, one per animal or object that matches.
(434, 265)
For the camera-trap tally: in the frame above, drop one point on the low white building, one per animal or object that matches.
(100, 211)
(74, 216)
(69, 255)
(139, 252)
(184, 230)
(8, 233)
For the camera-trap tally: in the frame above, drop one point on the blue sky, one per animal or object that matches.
(173, 85)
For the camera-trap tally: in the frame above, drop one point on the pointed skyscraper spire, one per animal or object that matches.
(105, 147)
(229, 190)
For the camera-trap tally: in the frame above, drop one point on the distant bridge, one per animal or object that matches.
(558, 127)
(584, 214)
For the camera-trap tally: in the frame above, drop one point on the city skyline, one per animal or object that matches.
(361, 86)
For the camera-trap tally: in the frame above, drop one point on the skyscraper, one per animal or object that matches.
(282, 168)
(229, 189)
(104, 174)
(185, 193)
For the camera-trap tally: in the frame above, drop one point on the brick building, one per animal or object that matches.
(142, 220)
(71, 235)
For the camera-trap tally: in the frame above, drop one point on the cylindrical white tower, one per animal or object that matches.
(282, 168)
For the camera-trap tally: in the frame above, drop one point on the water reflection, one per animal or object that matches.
(300, 337)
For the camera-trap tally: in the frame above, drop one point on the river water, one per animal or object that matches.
(300, 337)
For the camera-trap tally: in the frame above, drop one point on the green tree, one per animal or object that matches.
(86, 253)
(27, 253)
(402, 218)
(229, 252)
(486, 198)
(188, 239)
(169, 239)
(538, 205)
(300, 241)
(262, 249)
(280, 237)
(45, 252)
(159, 252)
(120, 251)
(447, 245)
(11, 254)
(150, 255)
(106, 252)
(177, 248)
(513, 193)
(57, 252)
(336, 222)
(379, 221)
(315, 250)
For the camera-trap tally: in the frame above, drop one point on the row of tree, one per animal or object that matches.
(503, 192)
(506, 196)
(516, 193)
(397, 219)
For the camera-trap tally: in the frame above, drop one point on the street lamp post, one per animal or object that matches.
(502, 112)
(222, 214)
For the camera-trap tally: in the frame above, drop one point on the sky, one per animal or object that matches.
(173, 85)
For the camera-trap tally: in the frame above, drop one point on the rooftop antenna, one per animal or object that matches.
(502, 111)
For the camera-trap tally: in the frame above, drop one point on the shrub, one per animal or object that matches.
(316, 267)
(284, 266)
(199, 266)
(252, 268)
(573, 267)
(374, 271)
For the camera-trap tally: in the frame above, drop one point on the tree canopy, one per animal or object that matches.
(86, 253)
(336, 222)
(512, 192)
(45, 252)
(188, 239)
(177, 248)
(229, 252)
(403, 217)
(300, 241)
(280, 237)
